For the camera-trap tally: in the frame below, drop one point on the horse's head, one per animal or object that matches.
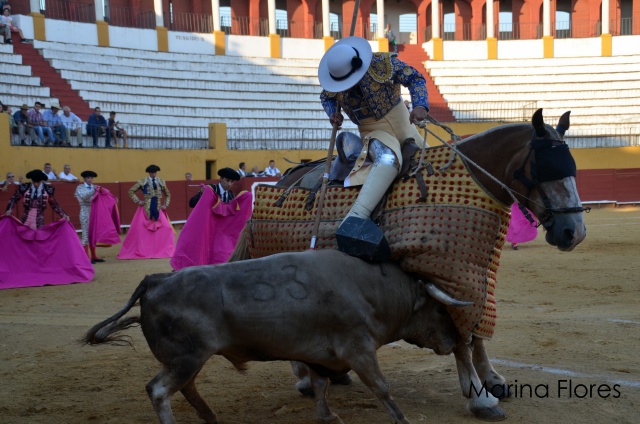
(549, 176)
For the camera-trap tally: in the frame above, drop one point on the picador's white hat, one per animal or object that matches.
(344, 64)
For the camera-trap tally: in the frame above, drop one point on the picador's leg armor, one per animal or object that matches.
(358, 235)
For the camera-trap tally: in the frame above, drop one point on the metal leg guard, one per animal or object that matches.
(358, 235)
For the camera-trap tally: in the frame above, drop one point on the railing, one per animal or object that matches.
(616, 137)
(189, 22)
(245, 26)
(498, 112)
(129, 17)
(75, 11)
(280, 138)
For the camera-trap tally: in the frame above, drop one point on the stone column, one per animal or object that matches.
(383, 43)
(492, 41)
(605, 37)
(326, 26)
(436, 37)
(39, 28)
(274, 38)
(219, 39)
(547, 39)
(161, 31)
(101, 25)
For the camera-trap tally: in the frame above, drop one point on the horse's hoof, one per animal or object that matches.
(305, 388)
(492, 414)
(504, 394)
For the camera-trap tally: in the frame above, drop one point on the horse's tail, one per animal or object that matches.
(104, 332)
(241, 252)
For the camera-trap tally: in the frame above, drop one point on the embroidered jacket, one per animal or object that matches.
(379, 90)
(216, 189)
(146, 185)
(39, 202)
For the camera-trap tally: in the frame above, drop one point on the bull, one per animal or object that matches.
(289, 306)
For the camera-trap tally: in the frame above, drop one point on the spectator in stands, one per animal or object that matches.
(116, 130)
(152, 188)
(386, 124)
(255, 172)
(97, 127)
(54, 122)
(223, 189)
(12, 122)
(242, 169)
(39, 124)
(4, 4)
(391, 36)
(7, 20)
(72, 124)
(272, 171)
(66, 176)
(9, 181)
(49, 172)
(5, 31)
(407, 103)
(35, 196)
(188, 176)
(21, 119)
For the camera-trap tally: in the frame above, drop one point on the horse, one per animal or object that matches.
(524, 162)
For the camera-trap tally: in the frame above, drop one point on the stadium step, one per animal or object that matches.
(51, 78)
(414, 55)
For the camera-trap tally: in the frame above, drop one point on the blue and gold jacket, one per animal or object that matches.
(379, 90)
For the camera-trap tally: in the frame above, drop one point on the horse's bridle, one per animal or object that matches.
(549, 160)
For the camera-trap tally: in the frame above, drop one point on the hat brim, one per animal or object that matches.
(366, 54)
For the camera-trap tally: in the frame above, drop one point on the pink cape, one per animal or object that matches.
(520, 229)
(104, 221)
(148, 239)
(51, 255)
(212, 230)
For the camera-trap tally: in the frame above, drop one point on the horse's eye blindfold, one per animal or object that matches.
(553, 160)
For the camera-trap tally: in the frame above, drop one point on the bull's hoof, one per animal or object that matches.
(304, 387)
(492, 414)
(342, 380)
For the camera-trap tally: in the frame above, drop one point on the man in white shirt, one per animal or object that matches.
(72, 123)
(51, 173)
(9, 181)
(66, 176)
(272, 171)
(242, 169)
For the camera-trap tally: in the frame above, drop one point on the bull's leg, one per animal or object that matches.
(367, 368)
(301, 371)
(481, 403)
(496, 383)
(193, 397)
(320, 386)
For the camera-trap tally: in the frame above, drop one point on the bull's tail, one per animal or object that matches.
(241, 252)
(105, 331)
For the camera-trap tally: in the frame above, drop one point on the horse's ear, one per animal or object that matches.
(563, 123)
(538, 123)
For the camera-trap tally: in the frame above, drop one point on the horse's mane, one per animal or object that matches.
(498, 131)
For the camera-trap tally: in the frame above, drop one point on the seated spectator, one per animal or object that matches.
(66, 176)
(54, 122)
(7, 20)
(272, 171)
(49, 172)
(9, 181)
(72, 124)
(188, 176)
(255, 172)
(242, 169)
(39, 124)
(97, 127)
(21, 119)
(5, 31)
(116, 130)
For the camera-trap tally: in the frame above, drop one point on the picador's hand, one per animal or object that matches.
(419, 113)
(336, 118)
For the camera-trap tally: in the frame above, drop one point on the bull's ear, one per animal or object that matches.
(421, 299)
(538, 123)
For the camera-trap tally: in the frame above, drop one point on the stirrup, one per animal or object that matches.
(363, 239)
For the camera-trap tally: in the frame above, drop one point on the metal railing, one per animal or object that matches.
(75, 11)
(189, 22)
(245, 26)
(129, 17)
(494, 112)
(614, 137)
(280, 138)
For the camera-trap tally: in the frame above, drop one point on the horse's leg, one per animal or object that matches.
(320, 386)
(241, 252)
(481, 403)
(193, 397)
(168, 381)
(487, 373)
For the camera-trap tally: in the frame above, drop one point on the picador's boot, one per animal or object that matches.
(358, 235)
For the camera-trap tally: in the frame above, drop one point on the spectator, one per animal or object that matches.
(66, 176)
(54, 122)
(242, 169)
(5, 31)
(152, 188)
(272, 171)
(4, 4)
(407, 103)
(9, 181)
(116, 130)
(49, 172)
(35, 196)
(391, 36)
(84, 193)
(188, 176)
(72, 124)
(39, 124)
(97, 127)
(255, 172)
(7, 20)
(21, 119)
(223, 189)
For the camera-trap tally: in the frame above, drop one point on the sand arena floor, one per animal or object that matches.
(563, 318)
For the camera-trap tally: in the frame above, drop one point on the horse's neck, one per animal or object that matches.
(499, 152)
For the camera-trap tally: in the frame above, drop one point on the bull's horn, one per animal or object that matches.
(444, 298)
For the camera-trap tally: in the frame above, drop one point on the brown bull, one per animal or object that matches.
(290, 306)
